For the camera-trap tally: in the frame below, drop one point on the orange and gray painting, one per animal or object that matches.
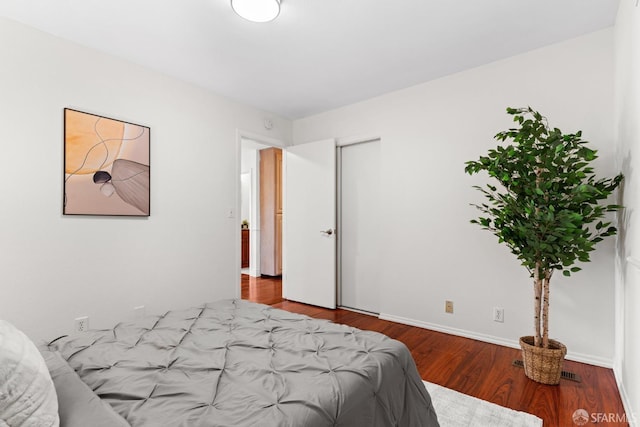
(106, 166)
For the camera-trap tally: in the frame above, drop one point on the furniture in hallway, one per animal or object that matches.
(271, 211)
(245, 248)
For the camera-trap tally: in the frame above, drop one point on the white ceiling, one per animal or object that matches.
(318, 54)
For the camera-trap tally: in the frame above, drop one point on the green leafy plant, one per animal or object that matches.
(548, 209)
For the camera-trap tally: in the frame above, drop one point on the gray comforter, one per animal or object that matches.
(236, 363)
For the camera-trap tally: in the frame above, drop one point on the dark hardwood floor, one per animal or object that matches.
(473, 367)
(264, 290)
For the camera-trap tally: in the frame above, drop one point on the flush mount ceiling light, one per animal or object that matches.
(257, 10)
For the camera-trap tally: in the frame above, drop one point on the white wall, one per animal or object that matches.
(54, 268)
(627, 136)
(430, 251)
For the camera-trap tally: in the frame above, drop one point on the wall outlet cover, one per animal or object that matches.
(448, 307)
(82, 324)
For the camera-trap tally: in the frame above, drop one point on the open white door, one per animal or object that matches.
(309, 241)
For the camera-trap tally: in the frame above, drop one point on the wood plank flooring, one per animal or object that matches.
(472, 367)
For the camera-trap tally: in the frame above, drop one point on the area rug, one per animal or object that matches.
(456, 409)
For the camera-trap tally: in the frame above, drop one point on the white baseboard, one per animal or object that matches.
(577, 357)
(626, 402)
(450, 330)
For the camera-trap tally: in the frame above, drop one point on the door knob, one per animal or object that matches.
(327, 232)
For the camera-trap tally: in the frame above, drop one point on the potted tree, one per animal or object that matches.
(549, 211)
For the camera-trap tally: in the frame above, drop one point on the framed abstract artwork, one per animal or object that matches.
(106, 166)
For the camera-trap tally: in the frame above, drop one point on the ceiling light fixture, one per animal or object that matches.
(257, 10)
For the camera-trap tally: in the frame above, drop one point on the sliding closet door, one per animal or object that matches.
(360, 226)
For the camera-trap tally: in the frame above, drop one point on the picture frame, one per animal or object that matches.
(107, 168)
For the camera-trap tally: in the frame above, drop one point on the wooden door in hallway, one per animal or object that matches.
(271, 211)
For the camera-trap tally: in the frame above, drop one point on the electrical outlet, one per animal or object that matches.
(448, 307)
(138, 312)
(498, 314)
(82, 323)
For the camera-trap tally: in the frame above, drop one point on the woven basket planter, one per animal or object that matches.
(543, 365)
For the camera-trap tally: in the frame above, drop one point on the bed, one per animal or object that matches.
(237, 363)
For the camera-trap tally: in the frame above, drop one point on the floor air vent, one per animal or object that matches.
(564, 375)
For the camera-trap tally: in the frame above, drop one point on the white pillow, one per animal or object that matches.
(27, 395)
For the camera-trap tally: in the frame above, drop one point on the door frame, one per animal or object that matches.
(261, 139)
(274, 142)
(340, 143)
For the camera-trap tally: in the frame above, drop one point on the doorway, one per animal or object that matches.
(359, 226)
(257, 234)
(353, 182)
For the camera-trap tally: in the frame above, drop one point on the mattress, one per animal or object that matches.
(237, 363)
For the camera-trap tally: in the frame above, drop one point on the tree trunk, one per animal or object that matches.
(537, 287)
(545, 309)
